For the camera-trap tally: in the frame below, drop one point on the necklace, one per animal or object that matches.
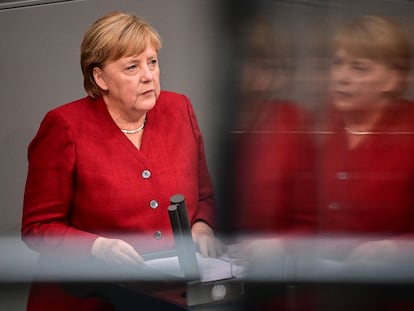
(358, 132)
(134, 131)
(377, 133)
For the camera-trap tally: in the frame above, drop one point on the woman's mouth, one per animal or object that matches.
(343, 95)
(148, 93)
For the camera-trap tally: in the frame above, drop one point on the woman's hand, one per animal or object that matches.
(262, 248)
(204, 237)
(384, 250)
(115, 251)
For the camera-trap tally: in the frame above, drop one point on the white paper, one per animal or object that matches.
(211, 269)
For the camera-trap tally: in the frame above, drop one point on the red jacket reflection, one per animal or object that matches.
(369, 189)
(273, 188)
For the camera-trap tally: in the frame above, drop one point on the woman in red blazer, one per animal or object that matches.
(103, 168)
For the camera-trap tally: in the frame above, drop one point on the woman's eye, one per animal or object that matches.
(153, 62)
(337, 62)
(360, 68)
(131, 67)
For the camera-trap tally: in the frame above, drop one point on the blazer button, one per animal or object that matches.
(343, 175)
(334, 206)
(146, 174)
(153, 204)
(158, 235)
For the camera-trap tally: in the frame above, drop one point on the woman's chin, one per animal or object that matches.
(344, 106)
(147, 104)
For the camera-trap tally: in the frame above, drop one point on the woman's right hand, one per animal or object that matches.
(115, 251)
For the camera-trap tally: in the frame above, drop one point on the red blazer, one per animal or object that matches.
(367, 193)
(368, 190)
(273, 189)
(86, 179)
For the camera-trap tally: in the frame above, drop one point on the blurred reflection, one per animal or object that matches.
(272, 187)
(365, 174)
(272, 155)
(367, 167)
(367, 170)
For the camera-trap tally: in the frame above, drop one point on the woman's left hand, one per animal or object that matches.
(204, 237)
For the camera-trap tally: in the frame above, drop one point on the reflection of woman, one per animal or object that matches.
(272, 154)
(105, 166)
(272, 160)
(368, 168)
(272, 184)
(367, 160)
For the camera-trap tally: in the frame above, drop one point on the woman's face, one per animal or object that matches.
(361, 83)
(131, 83)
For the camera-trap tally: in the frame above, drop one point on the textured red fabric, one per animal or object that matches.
(273, 178)
(85, 179)
(368, 190)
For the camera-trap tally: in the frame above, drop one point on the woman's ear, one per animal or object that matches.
(98, 75)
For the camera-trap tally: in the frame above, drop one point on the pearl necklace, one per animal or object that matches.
(134, 131)
(358, 132)
(377, 133)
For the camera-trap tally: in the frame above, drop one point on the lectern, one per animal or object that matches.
(197, 292)
(155, 290)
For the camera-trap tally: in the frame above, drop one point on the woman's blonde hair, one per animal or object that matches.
(378, 38)
(111, 37)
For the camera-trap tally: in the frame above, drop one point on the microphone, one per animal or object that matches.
(183, 239)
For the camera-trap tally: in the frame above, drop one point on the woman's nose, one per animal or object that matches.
(146, 74)
(341, 74)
